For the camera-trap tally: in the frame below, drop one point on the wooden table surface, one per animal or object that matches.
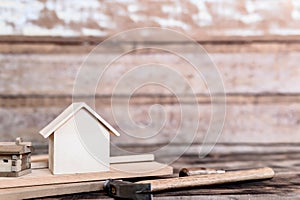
(285, 184)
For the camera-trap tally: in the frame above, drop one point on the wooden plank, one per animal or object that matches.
(220, 148)
(244, 72)
(208, 19)
(35, 46)
(124, 170)
(226, 197)
(39, 158)
(226, 148)
(284, 166)
(9, 149)
(61, 101)
(41, 161)
(39, 165)
(50, 190)
(131, 158)
(277, 123)
(54, 43)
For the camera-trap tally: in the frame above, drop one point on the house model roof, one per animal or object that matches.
(68, 113)
(8, 148)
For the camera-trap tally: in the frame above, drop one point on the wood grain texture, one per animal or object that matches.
(199, 19)
(55, 74)
(255, 49)
(245, 123)
(211, 179)
(260, 79)
(41, 161)
(36, 46)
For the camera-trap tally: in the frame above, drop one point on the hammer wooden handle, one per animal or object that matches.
(211, 179)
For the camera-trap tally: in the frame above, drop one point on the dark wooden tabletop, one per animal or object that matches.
(285, 184)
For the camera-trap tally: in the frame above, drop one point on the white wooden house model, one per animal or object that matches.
(78, 141)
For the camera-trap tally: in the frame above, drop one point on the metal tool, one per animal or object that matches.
(199, 170)
(142, 190)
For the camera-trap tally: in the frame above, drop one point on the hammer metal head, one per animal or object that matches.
(127, 190)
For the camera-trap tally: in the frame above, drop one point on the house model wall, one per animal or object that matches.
(78, 141)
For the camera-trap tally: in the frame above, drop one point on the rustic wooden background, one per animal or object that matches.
(255, 44)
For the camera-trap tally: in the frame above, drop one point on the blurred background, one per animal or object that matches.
(255, 44)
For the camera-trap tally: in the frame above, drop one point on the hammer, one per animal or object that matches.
(142, 190)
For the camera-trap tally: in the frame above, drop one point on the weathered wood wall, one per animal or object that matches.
(199, 19)
(255, 44)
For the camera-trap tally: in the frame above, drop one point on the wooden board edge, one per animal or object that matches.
(50, 190)
(131, 158)
(41, 161)
(39, 165)
(39, 158)
(118, 171)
